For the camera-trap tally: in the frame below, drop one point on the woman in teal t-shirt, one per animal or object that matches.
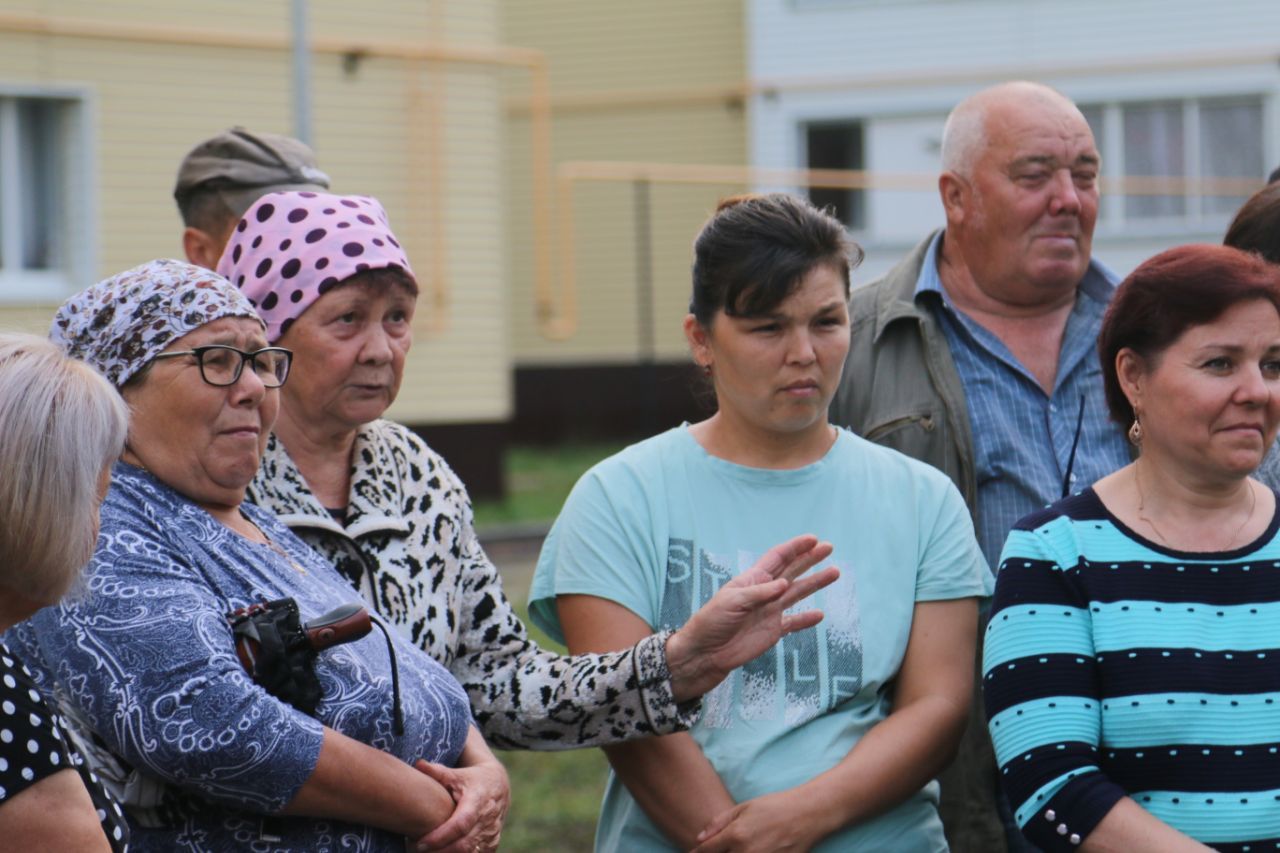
(831, 738)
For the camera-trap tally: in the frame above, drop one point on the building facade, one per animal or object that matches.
(1174, 89)
(99, 103)
(659, 111)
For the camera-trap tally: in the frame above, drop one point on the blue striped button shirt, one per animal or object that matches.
(1022, 437)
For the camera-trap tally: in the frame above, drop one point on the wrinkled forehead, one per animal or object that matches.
(241, 332)
(1041, 130)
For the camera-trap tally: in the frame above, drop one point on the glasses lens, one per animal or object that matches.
(272, 366)
(220, 365)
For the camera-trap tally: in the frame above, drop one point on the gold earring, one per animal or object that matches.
(1135, 431)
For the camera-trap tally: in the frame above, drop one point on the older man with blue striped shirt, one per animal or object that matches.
(976, 352)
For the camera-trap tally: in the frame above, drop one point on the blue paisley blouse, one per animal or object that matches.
(143, 669)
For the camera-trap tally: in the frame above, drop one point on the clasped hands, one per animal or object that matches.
(481, 794)
(772, 823)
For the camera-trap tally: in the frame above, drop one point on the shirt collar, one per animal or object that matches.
(929, 281)
(1097, 284)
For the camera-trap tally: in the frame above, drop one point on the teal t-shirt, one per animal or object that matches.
(659, 527)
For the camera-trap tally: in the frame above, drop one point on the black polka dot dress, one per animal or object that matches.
(34, 746)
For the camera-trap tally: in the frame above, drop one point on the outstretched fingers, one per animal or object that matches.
(792, 622)
(808, 585)
(805, 560)
(799, 590)
(780, 559)
(758, 595)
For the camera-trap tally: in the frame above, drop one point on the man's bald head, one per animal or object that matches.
(1019, 187)
(966, 132)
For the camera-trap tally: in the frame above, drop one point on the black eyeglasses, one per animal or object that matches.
(222, 365)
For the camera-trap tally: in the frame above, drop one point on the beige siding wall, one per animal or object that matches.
(150, 101)
(629, 82)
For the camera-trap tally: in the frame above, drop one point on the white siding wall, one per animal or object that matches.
(901, 66)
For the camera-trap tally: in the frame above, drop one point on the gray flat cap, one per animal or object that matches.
(243, 166)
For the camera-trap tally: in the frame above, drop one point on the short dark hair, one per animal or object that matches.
(204, 208)
(1256, 227)
(1179, 288)
(755, 249)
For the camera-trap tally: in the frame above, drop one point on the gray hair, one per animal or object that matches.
(61, 424)
(965, 133)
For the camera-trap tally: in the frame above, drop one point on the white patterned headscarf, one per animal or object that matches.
(119, 325)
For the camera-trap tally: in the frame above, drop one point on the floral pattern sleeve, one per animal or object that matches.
(151, 634)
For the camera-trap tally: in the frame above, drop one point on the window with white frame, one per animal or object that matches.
(837, 145)
(42, 162)
(1198, 139)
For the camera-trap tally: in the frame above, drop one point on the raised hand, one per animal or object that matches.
(745, 617)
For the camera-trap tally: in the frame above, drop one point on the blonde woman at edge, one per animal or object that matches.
(61, 427)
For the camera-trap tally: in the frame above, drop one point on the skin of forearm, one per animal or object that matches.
(891, 762)
(55, 813)
(688, 671)
(360, 784)
(669, 777)
(672, 782)
(900, 754)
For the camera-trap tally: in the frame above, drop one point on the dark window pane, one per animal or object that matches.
(1094, 116)
(837, 145)
(41, 181)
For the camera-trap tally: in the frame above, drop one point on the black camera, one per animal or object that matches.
(279, 650)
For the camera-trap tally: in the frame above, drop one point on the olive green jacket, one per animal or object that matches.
(900, 387)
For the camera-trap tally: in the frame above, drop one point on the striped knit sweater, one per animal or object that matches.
(1116, 667)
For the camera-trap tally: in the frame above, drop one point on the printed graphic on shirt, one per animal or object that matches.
(801, 677)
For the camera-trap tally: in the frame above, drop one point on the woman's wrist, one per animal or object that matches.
(815, 810)
(691, 673)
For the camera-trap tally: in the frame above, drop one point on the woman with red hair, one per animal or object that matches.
(1130, 677)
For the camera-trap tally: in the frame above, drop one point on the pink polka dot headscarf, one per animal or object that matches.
(293, 247)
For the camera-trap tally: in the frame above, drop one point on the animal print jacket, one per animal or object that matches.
(408, 546)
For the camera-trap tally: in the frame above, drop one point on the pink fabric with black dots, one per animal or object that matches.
(293, 247)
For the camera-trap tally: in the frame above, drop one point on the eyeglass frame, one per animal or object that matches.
(199, 352)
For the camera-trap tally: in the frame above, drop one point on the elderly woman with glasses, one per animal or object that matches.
(144, 664)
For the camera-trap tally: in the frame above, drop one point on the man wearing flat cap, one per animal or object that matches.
(223, 176)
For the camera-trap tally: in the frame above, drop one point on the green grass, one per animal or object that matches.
(538, 481)
(555, 796)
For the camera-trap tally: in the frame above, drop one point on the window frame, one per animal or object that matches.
(859, 198)
(1113, 220)
(78, 235)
